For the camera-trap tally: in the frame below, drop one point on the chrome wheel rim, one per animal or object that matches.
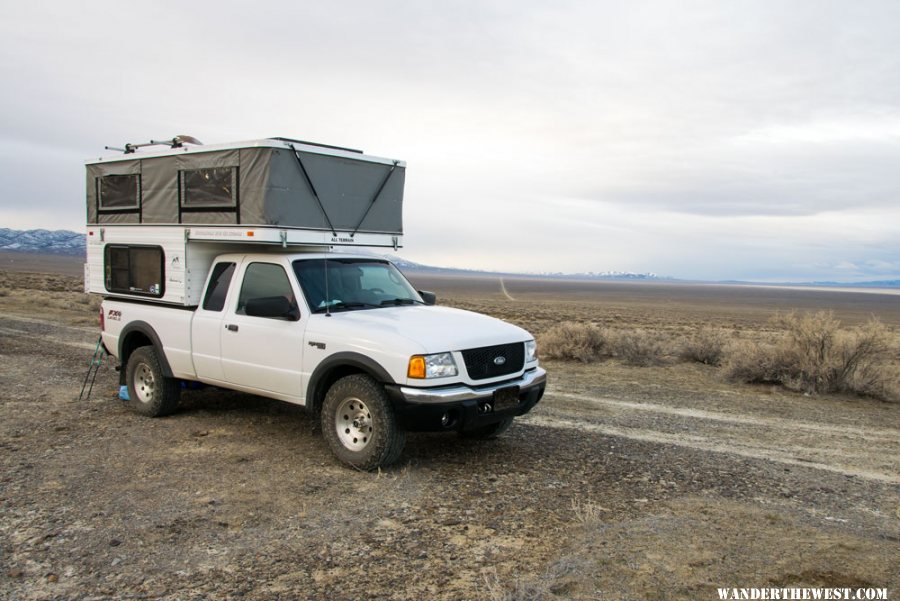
(353, 424)
(144, 383)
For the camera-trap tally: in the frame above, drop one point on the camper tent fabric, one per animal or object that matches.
(270, 190)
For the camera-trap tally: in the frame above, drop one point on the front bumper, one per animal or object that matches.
(459, 407)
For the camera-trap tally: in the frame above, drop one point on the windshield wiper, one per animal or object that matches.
(342, 305)
(400, 301)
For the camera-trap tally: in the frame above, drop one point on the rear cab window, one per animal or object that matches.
(217, 290)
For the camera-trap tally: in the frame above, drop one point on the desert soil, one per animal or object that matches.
(624, 482)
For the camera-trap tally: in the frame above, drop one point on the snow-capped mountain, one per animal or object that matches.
(62, 242)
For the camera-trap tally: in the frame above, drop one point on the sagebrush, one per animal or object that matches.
(638, 347)
(814, 354)
(706, 345)
(573, 341)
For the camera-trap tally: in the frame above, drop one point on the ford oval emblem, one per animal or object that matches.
(499, 360)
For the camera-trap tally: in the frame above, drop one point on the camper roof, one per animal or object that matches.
(273, 142)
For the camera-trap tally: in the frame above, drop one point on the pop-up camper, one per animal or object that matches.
(155, 220)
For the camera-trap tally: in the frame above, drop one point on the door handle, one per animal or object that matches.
(231, 327)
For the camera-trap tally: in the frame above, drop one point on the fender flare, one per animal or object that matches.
(357, 361)
(147, 330)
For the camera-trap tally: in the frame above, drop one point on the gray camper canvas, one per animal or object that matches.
(269, 183)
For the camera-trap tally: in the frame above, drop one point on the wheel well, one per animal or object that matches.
(324, 382)
(133, 341)
(337, 366)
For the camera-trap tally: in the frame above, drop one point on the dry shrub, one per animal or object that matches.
(814, 355)
(563, 579)
(574, 341)
(638, 347)
(706, 345)
(4, 292)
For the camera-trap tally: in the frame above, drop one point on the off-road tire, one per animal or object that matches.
(489, 431)
(150, 392)
(359, 424)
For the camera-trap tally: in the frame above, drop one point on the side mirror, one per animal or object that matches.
(429, 297)
(271, 307)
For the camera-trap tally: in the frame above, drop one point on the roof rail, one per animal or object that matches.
(290, 140)
(176, 142)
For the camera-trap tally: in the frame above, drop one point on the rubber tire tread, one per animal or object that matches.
(386, 445)
(489, 431)
(168, 391)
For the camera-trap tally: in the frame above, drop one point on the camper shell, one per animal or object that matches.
(156, 220)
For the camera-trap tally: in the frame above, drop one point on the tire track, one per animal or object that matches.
(764, 438)
(504, 291)
(885, 434)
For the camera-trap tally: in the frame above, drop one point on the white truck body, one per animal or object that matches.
(276, 359)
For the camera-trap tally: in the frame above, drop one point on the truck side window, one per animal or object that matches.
(218, 287)
(264, 280)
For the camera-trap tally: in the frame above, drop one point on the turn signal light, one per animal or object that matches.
(416, 367)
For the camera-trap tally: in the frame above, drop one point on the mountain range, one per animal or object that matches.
(58, 242)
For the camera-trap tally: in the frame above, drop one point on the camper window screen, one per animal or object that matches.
(134, 270)
(213, 188)
(119, 192)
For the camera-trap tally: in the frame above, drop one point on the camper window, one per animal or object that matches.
(134, 269)
(214, 188)
(120, 192)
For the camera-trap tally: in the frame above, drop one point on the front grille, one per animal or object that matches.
(480, 362)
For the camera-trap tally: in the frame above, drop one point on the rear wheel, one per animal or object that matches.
(150, 392)
(487, 432)
(359, 423)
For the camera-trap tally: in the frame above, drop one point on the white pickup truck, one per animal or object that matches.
(345, 335)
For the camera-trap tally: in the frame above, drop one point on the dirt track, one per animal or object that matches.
(612, 488)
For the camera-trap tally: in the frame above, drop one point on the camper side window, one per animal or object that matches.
(134, 269)
(120, 192)
(214, 188)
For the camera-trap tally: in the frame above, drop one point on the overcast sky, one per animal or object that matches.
(754, 140)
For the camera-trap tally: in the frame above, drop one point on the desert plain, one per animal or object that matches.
(660, 481)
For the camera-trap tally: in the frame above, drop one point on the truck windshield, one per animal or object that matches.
(352, 284)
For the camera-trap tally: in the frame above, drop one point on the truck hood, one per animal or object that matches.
(426, 329)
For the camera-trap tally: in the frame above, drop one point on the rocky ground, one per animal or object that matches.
(624, 483)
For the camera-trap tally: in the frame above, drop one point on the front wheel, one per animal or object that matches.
(359, 424)
(150, 392)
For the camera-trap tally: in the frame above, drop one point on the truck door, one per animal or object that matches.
(207, 324)
(262, 332)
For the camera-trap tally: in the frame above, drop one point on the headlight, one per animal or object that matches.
(530, 351)
(440, 365)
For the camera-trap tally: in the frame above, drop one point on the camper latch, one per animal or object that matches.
(283, 234)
